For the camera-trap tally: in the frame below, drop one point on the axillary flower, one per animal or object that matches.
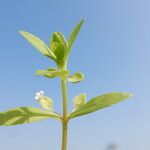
(39, 95)
(46, 102)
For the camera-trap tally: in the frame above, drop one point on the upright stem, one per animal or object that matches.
(64, 136)
(64, 121)
(64, 94)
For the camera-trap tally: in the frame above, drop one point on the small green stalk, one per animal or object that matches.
(64, 120)
(64, 136)
(64, 95)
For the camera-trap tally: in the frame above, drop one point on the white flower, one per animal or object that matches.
(39, 95)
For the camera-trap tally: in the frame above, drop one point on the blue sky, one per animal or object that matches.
(112, 50)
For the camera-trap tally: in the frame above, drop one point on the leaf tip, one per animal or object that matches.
(130, 95)
(82, 20)
(126, 95)
(37, 73)
(21, 32)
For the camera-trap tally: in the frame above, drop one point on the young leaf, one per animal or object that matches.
(100, 102)
(38, 44)
(23, 115)
(79, 101)
(77, 77)
(73, 36)
(58, 51)
(51, 73)
(59, 38)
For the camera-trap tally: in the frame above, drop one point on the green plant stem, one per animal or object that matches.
(64, 136)
(64, 121)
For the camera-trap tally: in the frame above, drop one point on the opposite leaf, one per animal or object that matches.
(52, 73)
(38, 44)
(73, 36)
(77, 77)
(100, 102)
(23, 115)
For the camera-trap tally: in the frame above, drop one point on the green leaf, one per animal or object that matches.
(23, 115)
(77, 77)
(73, 36)
(38, 44)
(58, 51)
(60, 39)
(79, 101)
(100, 102)
(52, 73)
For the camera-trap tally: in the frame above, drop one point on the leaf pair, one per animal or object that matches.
(23, 115)
(59, 47)
(52, 73)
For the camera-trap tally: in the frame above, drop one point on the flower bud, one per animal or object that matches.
(46, 102)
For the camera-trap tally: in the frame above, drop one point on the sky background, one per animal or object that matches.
(112, 50)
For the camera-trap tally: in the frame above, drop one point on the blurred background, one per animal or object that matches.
(112, 50)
